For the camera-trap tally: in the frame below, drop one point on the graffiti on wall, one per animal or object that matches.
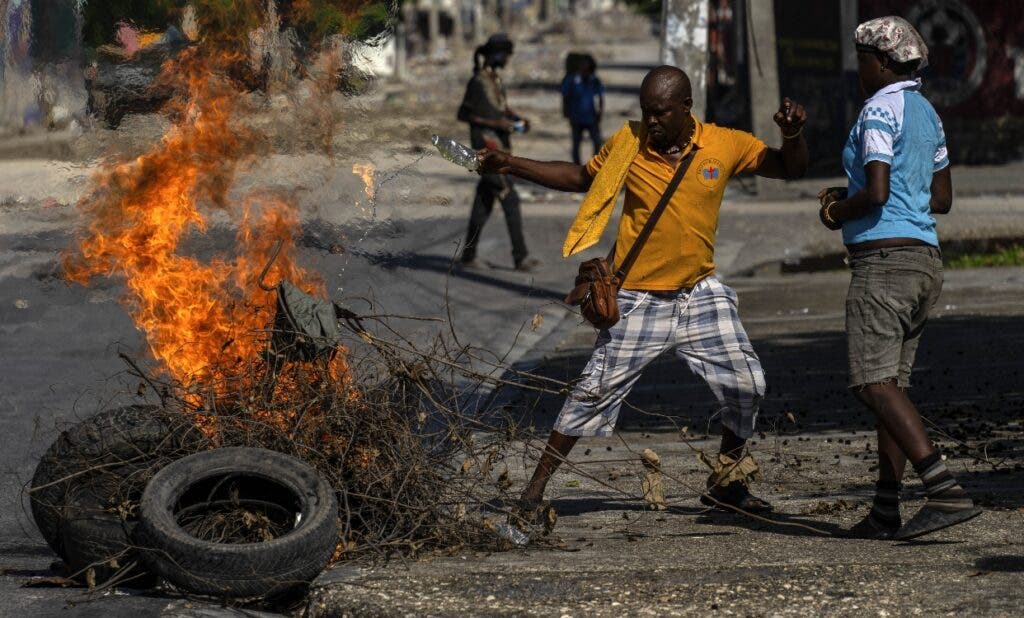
(974, 52)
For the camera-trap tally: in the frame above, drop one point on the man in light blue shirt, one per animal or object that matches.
(898, 171)
(896, 125)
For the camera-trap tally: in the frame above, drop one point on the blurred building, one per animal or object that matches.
(975, 78)
(434, 29)
(976, 73)
(40, 63)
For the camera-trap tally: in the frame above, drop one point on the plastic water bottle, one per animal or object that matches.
(457, 153)
(511, 534)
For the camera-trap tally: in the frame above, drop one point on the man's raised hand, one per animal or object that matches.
(790, 117)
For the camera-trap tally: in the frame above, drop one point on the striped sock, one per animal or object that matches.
(944, 493)
(885, 510)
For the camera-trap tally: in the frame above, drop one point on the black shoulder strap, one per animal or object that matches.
(641, 238)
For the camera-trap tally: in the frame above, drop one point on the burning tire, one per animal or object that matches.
(238, 522)
(96, 470)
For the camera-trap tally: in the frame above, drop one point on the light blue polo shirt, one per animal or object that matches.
(897, 126)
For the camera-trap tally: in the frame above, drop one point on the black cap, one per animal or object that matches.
(498, 43)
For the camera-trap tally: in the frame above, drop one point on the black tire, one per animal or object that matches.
(96, 543)
(238, 570)
(101, 461)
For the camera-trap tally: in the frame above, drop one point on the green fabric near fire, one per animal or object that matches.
(306, 328)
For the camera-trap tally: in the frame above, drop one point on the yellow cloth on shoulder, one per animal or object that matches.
(596, 209)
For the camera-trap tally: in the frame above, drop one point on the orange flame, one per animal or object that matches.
(200, 318)
(366, 171)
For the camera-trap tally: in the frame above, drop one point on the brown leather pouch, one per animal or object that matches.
(595, 292)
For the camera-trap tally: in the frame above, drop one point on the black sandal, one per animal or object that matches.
(930, 519)
(735, 495)
(871, 528)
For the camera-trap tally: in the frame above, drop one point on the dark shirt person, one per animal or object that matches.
(671, 298)
(491, 123)
(583, 93)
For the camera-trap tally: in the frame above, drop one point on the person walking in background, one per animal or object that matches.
(583, 105)
(491, 123)
(898, 170)
(671, 298)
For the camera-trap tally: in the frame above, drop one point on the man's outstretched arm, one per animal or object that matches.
(558, 175)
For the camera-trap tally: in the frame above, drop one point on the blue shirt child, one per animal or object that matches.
(581, 94)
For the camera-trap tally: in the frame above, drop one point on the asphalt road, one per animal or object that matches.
(58, 352)
(58, 361)
(815, 447)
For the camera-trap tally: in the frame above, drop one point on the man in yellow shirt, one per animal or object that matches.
(671, 297)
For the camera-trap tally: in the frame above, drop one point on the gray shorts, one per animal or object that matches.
(891, 293)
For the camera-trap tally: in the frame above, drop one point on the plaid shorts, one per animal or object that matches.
(701, 324)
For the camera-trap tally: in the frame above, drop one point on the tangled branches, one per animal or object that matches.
(412, 469)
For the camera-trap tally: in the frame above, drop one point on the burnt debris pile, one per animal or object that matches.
(345, 441)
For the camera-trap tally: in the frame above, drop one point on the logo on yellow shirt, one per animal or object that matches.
(709, 172)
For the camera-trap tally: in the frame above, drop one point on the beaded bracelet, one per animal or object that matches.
(828, 214)
(797, 134)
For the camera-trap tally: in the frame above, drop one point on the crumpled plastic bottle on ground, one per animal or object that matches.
(510, 533)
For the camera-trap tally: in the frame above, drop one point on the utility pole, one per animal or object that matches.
(401, 52)
(547, 10)
(434, 43)
(458, 38)
(684, 44)
(764, 77)
(478, 23)
(503, 8)
(847, 28)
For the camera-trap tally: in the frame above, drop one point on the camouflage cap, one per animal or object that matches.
(895, 37)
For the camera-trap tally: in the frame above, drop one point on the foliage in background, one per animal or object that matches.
(227, 22)
(315, 20)
(1006, 256)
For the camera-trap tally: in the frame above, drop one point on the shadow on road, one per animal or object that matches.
(1003, 564)
(967, 380)
(967, 383)
(776, 523)
(441, 264)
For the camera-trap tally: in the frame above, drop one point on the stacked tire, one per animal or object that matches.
(112, 494)
(82, 492)
(239, 570)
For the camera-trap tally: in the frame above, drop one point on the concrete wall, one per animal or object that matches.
(976, 75)
(378, 60)
(975, 79)
(16, 87)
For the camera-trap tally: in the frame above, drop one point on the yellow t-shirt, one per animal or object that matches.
(681, 249)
